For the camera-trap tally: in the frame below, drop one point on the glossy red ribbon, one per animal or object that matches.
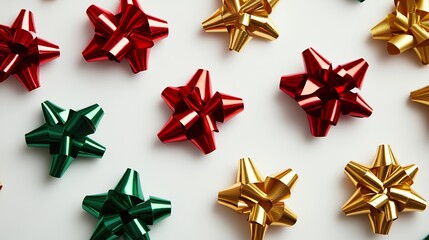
(21, 51)
(196, 111)
(129, 34)
(324, 93)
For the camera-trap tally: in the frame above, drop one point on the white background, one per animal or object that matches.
(272, 130)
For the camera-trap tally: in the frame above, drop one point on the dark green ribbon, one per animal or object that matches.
(65, 133)
(123, 210)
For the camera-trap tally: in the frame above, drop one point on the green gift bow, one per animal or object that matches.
(65, 133)
(123, 210)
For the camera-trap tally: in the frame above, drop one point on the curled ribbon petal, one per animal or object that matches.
(383, 190)
(325, 93)
(124, 211)
(21, 51)
(65, 134)
(406, 28)
(196, 111)
(243, 20)
(129, 34)
(261, 199)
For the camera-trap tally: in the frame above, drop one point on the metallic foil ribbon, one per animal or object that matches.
(22, 51)
(420, 95)
(325, 92)
(196, 111)
(129, 34)
(65, 134)
(243, 20)
(406, 28)
(382, 190)
(123, 211)
(261, 199)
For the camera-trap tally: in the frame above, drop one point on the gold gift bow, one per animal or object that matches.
(420, 95)
(262, 200)
(243, 19)
(406, 28)
(383, 190)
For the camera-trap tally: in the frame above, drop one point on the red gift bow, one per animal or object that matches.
(195, 112)
(130, 34)
(324, 93)
(21, 51)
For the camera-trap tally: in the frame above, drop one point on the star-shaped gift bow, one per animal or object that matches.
(195, 112)
(129, 34)
(124, 211)
(406, 28)
(65, 134)
(22, 51)
(261, 199)
(383, 190)
(325, 92)
(243, 20)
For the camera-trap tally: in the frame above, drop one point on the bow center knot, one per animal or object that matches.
(244, 19)
(21, 42)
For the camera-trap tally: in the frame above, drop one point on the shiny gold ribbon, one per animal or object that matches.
(243, 20)
(420, 95)
(383, 190)
(406, 28)
(261, 199)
